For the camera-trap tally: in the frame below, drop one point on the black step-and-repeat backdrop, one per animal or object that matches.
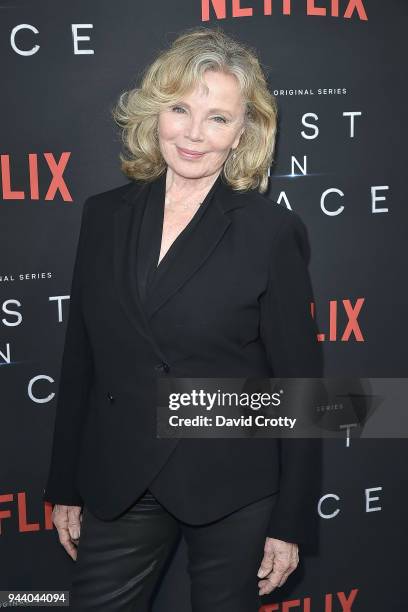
(337, 70)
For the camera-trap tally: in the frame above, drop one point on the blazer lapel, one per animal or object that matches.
(191, 255)
(205, 237)
(126, 225)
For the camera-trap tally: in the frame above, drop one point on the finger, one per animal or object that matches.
(74, 523)
(74, 530)
(67, 543)
(274, 577)
(270, 583)
(72, 550)
(281, 571)
(265, 587)
(266, 565)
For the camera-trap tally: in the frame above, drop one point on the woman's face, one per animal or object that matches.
(208, 125)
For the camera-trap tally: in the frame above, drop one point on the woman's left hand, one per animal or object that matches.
(279, 561)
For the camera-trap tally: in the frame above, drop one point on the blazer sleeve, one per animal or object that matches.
(289, 334)
(74, 383)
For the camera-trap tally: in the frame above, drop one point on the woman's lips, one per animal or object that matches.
(186, 153)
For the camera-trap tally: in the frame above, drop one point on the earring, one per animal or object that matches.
(234, 155)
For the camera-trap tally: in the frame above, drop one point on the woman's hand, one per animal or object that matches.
(280, 559)
(67, 520)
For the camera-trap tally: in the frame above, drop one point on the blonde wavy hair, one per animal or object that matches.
(174, 73)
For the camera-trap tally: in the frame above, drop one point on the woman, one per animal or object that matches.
(189, 271)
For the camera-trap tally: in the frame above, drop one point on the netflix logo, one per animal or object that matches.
(342, 320)
(345, 9)
(15, 504)
(332, 602)
(56, 170)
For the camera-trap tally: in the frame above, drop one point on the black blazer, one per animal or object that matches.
(231, 300)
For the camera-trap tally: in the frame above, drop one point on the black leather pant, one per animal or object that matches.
(120, 562)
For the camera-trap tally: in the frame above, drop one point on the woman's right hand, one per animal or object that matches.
(67, 520)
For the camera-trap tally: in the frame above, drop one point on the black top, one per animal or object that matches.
(149, 242)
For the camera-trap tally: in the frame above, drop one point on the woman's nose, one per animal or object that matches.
(194, 130)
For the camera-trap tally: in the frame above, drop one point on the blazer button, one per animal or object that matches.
(110, 396)
(162, 366)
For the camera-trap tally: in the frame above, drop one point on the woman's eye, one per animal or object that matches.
(218, 118)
